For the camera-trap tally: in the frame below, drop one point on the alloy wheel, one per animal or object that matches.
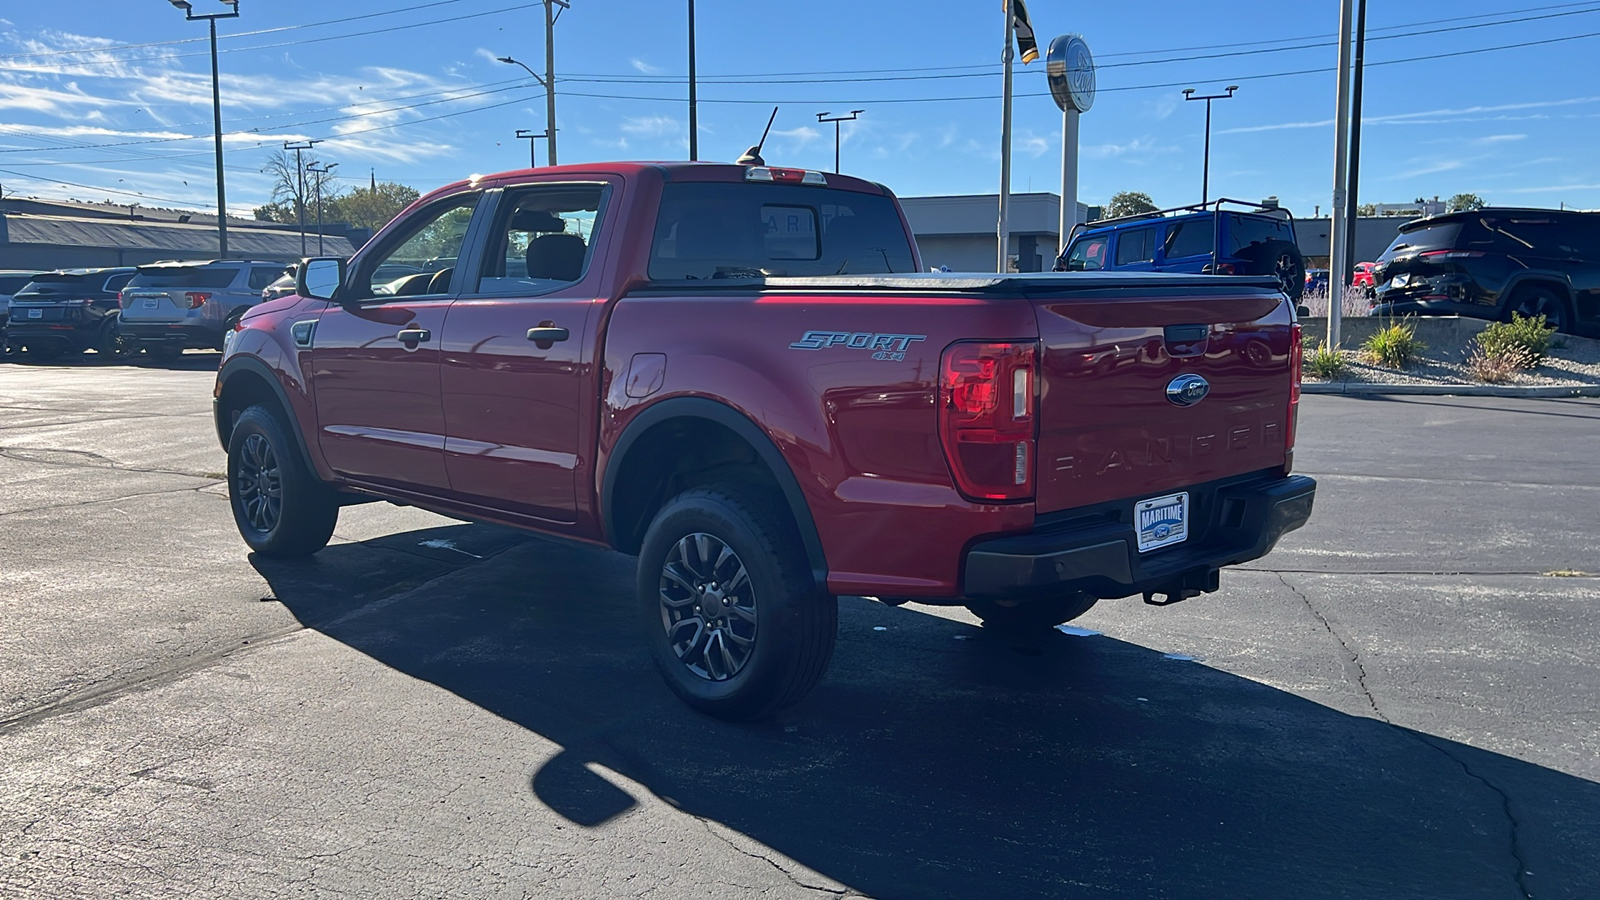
(258, 483)
(1540, 303)
(708, 606)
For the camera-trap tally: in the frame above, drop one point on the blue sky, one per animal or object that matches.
(1516, 125)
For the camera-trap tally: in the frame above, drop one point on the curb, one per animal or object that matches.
(1357, 388)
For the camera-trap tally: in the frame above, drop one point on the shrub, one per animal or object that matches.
(1501, 367)
(1526, 338)
(1324, 364)
(1393, 347)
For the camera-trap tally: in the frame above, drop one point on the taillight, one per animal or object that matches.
(784, 176)
(120, 298)
(1451, 254)
(1296, 360)
(196, 299)
(987, 419)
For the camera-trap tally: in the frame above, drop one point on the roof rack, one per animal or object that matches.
(1212, 206)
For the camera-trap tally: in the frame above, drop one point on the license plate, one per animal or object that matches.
(1162, 521)
(149, 303)
(35, 313)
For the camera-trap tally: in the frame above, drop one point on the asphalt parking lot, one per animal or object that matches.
(1399, 702)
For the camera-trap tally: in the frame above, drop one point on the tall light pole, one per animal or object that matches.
(1003, 226)
(694, 113)
(531, 136)
(1205, 175)
(1338, 231)
(822, 118)
(300, 176)
(548, 79)
(327, 169)
(216, 111)
(1353, 191)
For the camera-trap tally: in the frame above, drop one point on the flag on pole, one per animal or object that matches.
(1027, 46)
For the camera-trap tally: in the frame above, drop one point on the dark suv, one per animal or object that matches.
(1490, 263)
(1200, 240)
(69, 312)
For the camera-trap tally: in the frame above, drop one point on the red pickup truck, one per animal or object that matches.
(737, 374)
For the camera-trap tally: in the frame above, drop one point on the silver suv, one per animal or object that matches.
(173, 306)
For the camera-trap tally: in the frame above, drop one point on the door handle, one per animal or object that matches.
(413, 336)
(547, 334)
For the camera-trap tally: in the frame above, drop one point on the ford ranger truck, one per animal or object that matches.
(736, 374)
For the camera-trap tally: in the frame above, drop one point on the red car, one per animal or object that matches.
(1361, 277)
(736, 374)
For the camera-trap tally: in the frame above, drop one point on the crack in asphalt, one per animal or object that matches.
(711, 829)
(34, 455)
(1357, 671)
(1439, 573)
(77, 503)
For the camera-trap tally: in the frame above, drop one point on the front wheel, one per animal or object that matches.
(1537, 301)
(280, 506)
(1031, 615)
(732, 616)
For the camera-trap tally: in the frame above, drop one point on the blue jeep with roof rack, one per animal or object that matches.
(1204, 239)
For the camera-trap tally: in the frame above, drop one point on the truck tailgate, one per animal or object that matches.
(1108, 429)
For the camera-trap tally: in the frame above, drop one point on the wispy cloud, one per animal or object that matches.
(1429, 117)
(645, 67)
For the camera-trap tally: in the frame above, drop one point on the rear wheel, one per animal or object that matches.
(114, 344)
(1537, 301)
(732, 616)
(1031, 615)
(279, 505)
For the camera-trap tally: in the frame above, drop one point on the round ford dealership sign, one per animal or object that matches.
(1070, 67)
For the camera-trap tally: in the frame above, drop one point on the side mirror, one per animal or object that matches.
(320, 278)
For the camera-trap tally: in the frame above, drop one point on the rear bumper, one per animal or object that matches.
(1099, 557)
(180, 335)
(78, 335)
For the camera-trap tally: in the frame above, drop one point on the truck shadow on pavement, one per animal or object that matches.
(937, 759)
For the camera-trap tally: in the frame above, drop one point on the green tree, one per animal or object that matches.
(275, 212)
(1464, 203)
(1367, 209)
(1129, 203)
(370, 207)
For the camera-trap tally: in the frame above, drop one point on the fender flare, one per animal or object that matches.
(256, 367)
(741, 425)
(1538, 277)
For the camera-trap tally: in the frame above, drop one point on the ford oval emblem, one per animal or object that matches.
(1187, 390)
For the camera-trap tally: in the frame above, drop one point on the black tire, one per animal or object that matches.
(279, 505)
(1031, 615)
(1280, 258)
(760, 641)
(162, 353)
(113, 344)
(1535, 301)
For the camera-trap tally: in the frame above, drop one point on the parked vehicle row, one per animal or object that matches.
(161, 309)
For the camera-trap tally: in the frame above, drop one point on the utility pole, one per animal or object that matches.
(548, 79)
(1003, 229)
(1354, 189)
(216, 112)
(532, 137)
(822, 118)
(300, 174)
(1205, 172)
(326, 170)
(1341, 137)
(694, 120)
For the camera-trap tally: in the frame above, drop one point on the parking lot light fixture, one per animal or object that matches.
(216, 110)
(823, 118)
(1205, 175)
(546, 81)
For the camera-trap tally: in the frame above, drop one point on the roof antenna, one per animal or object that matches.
(752, 157)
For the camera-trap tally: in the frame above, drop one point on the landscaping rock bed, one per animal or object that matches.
(1572, 361)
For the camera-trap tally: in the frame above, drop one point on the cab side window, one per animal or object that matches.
(425, 258)
(1191, 238)
(1136, 246)
(1087, 255)
(543, 239)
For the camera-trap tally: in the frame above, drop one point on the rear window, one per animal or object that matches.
(739, 230)
(1432, 237)
(53, 284)
(1246, 231)
(195, 277)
